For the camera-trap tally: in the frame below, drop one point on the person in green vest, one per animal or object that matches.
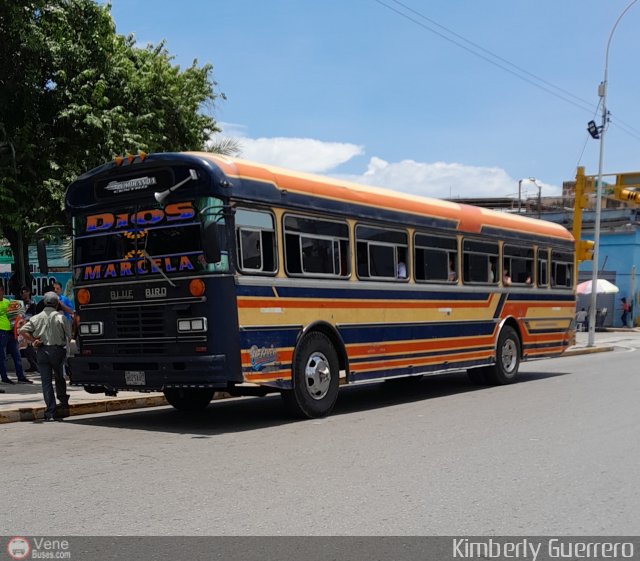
(8, 311)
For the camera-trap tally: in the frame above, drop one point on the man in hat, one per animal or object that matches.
(49, 333)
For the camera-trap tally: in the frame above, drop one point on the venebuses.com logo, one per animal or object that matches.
(18, 548)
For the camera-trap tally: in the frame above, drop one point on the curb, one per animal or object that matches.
(91, 407)
(87, 408)
(587, 351)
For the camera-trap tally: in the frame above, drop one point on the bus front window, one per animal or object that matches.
(144, 242)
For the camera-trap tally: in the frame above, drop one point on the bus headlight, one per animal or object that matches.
(192, 325)
(91, 328)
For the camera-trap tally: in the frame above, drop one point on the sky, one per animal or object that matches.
(445, 98)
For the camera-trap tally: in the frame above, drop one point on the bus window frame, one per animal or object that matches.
(395, 246)
(569, 264)
(416, 246)
(531, 259)
(496, 271)
(303, 274)
(544, 260)
(240, 228)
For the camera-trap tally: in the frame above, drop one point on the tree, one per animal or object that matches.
(73, 93)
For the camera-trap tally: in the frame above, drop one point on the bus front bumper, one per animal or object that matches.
(149, 373)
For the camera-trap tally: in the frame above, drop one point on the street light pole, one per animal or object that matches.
(539, 197)
(519, 196)
(602, 92)
(520, 191)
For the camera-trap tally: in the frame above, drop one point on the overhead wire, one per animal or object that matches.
(502, 63)
(581, 104)
(494, 55)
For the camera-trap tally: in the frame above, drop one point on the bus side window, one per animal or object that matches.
(256, 241)
(315, 246)
(543, 267)
(381, 253)
(480, 262)
(518, 264)
(561, 269)
(435, 258)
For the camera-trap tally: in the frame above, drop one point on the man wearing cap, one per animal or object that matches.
(50, 332)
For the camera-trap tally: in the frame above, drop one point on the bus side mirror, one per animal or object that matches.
(43, 262)
(210, 242)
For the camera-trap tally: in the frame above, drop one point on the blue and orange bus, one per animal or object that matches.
(197, 273)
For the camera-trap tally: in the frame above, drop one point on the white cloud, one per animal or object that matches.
(302, 154)
(446, 180)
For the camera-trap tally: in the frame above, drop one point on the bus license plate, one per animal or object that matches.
(134, 378)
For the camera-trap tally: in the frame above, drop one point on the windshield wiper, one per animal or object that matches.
(164, 275)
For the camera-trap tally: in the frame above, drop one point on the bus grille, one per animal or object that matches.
(143, 348)
(140, 322)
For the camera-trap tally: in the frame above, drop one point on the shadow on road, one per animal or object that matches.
(246, 414)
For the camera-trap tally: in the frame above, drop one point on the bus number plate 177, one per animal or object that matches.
(134, 378)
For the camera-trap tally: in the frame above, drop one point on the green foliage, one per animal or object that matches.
(73, 93)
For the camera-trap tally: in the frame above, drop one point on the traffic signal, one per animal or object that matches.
(626, 188)
(584, 250)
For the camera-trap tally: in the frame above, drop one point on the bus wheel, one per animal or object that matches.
(189, 399)
(315, 378)
(505, 370)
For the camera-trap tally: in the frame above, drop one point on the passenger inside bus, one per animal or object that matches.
(452, 277)
(402, 270)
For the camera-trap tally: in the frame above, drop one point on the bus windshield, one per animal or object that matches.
(145, 241)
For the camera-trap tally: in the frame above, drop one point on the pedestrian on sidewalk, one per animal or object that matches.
(50, 332)
(8, 343)
(626, 308)
(29, 312)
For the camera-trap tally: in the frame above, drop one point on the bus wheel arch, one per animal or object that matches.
(508, 355)
(516, 326)
(334, 336)
(315, 375)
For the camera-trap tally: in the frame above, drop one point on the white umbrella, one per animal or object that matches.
(603, 286)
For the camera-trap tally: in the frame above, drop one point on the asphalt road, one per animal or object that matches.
(555, 454)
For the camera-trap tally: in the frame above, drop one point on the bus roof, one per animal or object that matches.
(468, 218)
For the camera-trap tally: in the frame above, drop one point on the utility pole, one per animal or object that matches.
(602, 93)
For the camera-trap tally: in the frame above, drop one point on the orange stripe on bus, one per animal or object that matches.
(248, 302)
(382, 365)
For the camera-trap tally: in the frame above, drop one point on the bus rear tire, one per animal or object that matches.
(189, 399)
(505, 370)
(315, 378)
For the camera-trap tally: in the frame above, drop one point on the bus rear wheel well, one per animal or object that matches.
(512, 322)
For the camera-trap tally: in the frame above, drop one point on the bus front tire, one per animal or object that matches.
(505, 370)
(189, 399)
(315, 378)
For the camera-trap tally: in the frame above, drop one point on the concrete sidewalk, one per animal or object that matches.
(24, 402)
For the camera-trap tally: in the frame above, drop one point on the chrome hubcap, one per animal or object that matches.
(317, 375)
(509, 356)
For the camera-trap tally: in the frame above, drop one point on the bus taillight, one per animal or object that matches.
(196, 287)
(83, 296)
